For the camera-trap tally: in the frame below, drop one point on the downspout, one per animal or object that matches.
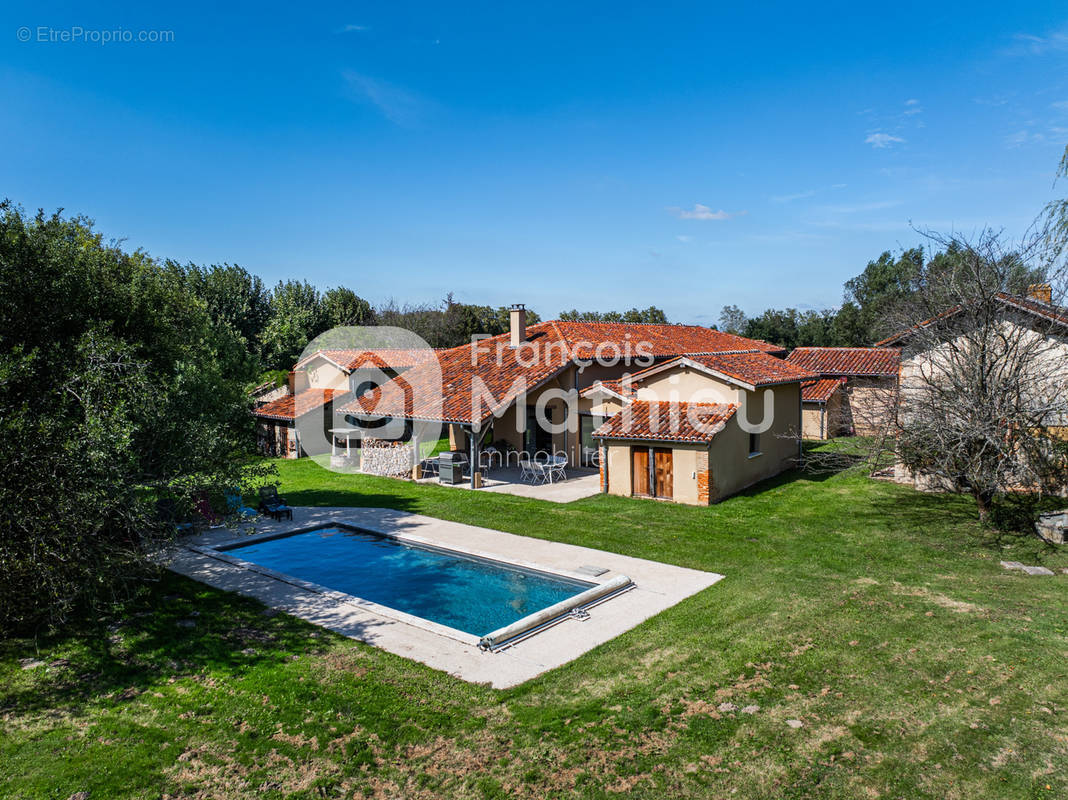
(800, 422)
(577, 447)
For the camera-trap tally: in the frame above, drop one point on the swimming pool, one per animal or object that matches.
(470, 594)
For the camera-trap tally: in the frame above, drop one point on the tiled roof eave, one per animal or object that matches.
(275, 417)
(622, 438)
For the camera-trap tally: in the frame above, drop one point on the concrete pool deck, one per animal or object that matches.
(656, 587)
(579, 484)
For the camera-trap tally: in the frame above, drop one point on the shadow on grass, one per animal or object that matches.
(1011, 524)
(354, 498)
(176, 628)
(792, 476)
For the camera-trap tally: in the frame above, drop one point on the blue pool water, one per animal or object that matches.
(469, 594)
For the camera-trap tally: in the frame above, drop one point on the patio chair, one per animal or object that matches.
(489, 457)
(202, 506)
(273, 505)
(557, 470)
(527, 471)
(236, 505)
(429, 466)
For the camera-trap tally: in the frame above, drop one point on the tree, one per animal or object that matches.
(116, 389)
(732, 320)
(342, 306)
(983, 385)
(297, 317)
(776, 326)
(233, 297)
(449, 324)
(504, 318)
(1055, 219)
(883, 283)
(651, 315)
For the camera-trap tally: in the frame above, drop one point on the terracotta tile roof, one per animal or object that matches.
(870, 361)
(382, 358)
(755, 369)
(443, 389)
(494, 375)
(613, 387)
(1047, 311)
(284, 407)
(667, 422)
(820, 391)
(663, 340)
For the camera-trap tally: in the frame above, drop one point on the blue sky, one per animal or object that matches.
(597, 155)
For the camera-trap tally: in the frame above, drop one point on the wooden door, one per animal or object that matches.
(639, 470)
(663, 467)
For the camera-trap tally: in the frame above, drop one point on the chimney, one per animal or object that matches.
(292, 381)
(517, 325)
(1042, 292)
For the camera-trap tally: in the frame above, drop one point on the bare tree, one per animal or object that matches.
(1054, 219)
(984, 382)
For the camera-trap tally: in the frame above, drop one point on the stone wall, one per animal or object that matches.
(392, 459)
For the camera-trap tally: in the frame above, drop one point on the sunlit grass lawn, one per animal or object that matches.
(876, 616)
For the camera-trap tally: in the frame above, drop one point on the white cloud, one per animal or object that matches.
(789, 198)
(882, 140)
(913, 107)
(912, 101)
(684, 239)
(1021, 138)
(1028, 43)
(704, 212)
(1060, 105)
(396, 104)
(861, 207)
(352, 28)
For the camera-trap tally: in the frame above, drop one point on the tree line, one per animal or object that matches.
(869, 299)
(276, 324)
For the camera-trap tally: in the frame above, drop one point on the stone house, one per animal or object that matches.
(855, 392)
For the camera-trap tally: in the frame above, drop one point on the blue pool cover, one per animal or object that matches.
(470, 594)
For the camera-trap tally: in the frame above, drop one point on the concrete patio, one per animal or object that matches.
(579, 483)
(656, 587)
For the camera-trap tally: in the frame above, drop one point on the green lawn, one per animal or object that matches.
(875, 615)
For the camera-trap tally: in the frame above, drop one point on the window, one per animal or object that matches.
(537, 439)
(754, 444)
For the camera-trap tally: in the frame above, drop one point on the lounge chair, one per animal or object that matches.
(236, 505)
(273, 505)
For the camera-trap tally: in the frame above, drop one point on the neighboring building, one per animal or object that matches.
(691, 447)
(1033, 315)
(855, 392)
(277, 431)
(317, 383)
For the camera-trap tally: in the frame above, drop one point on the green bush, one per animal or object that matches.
(117, 387)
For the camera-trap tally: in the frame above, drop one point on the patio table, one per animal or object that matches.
(551, 469)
